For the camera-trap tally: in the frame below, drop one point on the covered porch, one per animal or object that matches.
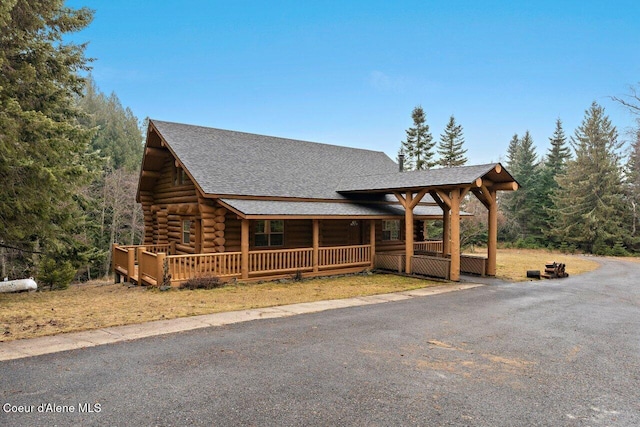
(447, 187)
(154, 264)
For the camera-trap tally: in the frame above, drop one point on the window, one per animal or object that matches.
(180, 176)
(270, 233)
(186, 231)
(391, 230)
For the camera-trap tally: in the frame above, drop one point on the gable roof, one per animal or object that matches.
(415, 180)
(233, 163)
(262, 175)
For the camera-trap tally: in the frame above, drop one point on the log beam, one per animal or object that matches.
(492, 238)
(316, 244)
(454, 273)
(155, 152)
(244, 248)
(372, 241)
(408, 228)
(504, 186)
(151, 174)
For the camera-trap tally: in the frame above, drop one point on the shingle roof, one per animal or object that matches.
(286, 208)
(416, 179)
(236, 163)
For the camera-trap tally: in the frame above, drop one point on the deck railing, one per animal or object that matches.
(150, 267)
(428, 246)
(123, 264)
(184, 267)
(140, 265)
(344, 256)
(280, 261)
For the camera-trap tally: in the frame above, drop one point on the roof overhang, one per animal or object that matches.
(273, 209)
(493, 176)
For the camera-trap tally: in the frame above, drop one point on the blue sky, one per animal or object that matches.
(350, 72)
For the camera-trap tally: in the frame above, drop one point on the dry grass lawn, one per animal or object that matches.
(102, 304)
(512, 264)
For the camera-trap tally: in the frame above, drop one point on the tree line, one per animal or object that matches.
(582, 195)
(69, 154)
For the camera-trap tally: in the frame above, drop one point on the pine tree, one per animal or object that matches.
(632, 191)
(589, 201)
(112, 212)
(418, 146)
(521, 207)
(512, 153)
(44, 149)
(559, 152)
(450, 145)
(555, 164)
(118, 137)
(527, 198)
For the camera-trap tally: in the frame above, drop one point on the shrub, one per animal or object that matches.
(204, 282)
(619, 249)
(56, 274)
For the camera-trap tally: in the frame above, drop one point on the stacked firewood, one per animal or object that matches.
(554, 270)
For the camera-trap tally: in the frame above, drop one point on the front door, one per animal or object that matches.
(355, 233)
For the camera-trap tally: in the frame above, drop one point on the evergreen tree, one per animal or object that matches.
(118, 138)
(559, 152)
(632, 171)
(632, 187)
(112, 212)
(521, 207)
(419, 144)
(450, 145)
(44, 149)
(512, 154)
(527, 199)
(589, 202)
(555, 164)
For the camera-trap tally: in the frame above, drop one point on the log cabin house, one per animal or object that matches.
(244, 206)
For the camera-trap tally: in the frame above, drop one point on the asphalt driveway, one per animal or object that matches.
(563, 352)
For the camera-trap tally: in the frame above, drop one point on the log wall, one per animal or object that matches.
(166, 207)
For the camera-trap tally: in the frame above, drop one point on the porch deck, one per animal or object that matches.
(155, 264)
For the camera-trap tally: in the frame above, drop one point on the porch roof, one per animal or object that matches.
(431, 179)
(273, 208)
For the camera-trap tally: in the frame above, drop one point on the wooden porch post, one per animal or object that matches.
(409, 202)
(454, 273)
(160, 257)
(316, 244)
(372, 241)
(408, 231)
(244, 248)
(131, 262)
(446, 227)
(492, 238)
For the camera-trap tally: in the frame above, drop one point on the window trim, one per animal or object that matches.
(180, 176)
(186, 231)
(391, 230)
(268, 233)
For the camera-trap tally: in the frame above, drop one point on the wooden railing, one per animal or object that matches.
(473, 264)
(150, 263)
(121, 260)
(150, 267)
(280, 261)
(344, 256)
(428, 246)
(390, 261)
(433, 266)
(184, 267)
